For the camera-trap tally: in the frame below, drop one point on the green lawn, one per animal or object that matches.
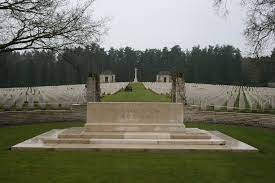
(139, 94)
(105, 167)
(71, 167)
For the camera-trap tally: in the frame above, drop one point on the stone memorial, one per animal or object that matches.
(136, 78)
(134, 126)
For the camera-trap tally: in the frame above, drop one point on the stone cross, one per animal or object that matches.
(136, 80)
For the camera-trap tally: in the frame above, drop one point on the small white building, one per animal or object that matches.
(164, 77)
(107, 77)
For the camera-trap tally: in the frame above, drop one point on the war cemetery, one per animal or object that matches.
(75, 109)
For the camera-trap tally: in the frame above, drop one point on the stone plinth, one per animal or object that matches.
(134, 126)
(134, 112)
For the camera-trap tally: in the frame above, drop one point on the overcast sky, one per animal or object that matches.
(145, 24)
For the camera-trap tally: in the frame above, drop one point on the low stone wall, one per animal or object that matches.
(245, 119)
(78, 114)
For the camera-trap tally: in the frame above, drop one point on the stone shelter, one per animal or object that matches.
(107, 77)
(164, 77)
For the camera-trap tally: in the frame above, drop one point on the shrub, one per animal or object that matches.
(128, 88)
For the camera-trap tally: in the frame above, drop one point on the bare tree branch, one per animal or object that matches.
(46, 24)
(260, 24)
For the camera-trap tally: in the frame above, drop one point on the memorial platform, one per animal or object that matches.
(134, 126)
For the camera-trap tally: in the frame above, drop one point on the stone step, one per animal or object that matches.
(190, 136)
(89, 135)
(36, 143)
(134, 127)
(117, 135)
(136, 135)
(136, 141)
(65, 141)
(160, 141)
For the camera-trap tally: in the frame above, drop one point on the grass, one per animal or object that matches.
(195, 167)
(139, 94)
(142, 167)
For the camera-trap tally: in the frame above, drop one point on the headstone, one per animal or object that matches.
(178, 88)
(93, 88)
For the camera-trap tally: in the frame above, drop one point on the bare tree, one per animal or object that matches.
(260, 24)
(46, 24)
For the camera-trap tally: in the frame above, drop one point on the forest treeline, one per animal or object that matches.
(213, 65)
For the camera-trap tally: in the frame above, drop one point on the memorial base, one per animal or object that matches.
(134, 127)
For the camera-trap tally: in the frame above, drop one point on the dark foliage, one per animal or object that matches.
(214, 65)
(128, 88)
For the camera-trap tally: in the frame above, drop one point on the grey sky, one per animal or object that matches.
(145, 24)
